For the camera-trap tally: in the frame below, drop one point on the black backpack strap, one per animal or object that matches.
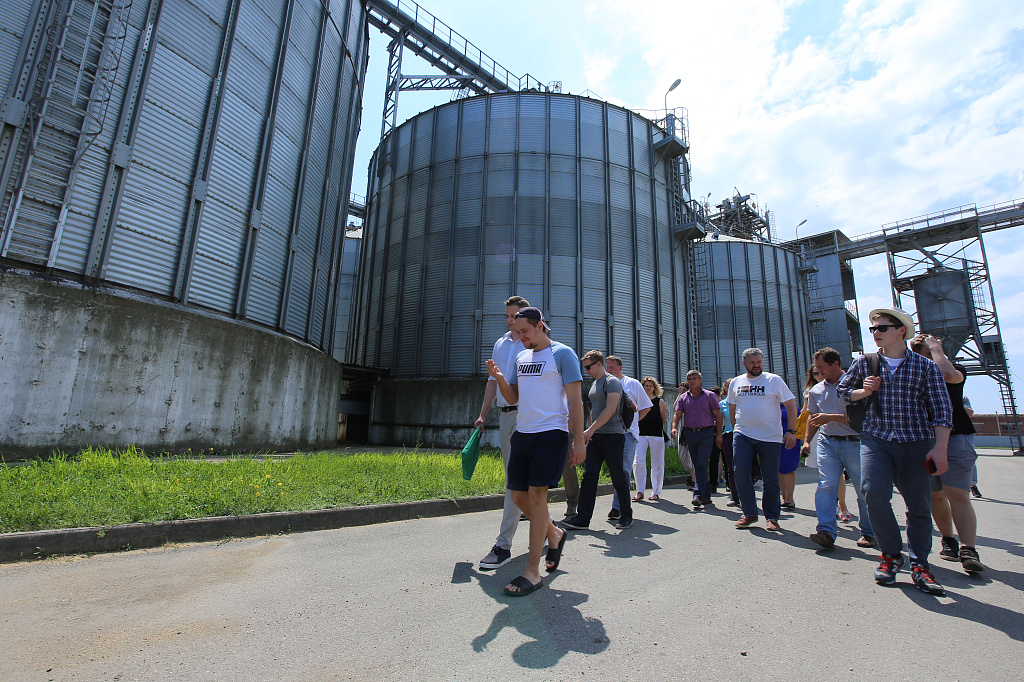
(873, 364)
(874, 370)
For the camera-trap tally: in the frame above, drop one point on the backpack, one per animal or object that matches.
(626, 407)
(856, 411)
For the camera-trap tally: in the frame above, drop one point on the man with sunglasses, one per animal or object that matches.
(903, 440)
(605, 439)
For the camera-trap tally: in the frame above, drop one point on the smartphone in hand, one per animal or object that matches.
(929, 466)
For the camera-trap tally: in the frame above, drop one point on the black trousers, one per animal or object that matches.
(716, 455)
(604, 448)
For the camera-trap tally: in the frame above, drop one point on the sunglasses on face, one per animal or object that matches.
(882, 328)
(587, 367)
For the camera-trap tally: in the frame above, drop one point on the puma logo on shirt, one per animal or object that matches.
(531, 368)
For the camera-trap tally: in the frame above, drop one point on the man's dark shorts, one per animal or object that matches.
(537, 459)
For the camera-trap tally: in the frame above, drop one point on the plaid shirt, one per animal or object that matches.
(909, 404)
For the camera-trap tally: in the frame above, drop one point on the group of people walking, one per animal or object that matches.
(914, 434)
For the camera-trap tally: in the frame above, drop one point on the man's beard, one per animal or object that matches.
(756, 371)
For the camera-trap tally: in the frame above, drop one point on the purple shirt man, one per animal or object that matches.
(701, 416)
(698, 411)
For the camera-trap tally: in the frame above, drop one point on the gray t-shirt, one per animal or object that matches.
(606, 384)
(823, 398)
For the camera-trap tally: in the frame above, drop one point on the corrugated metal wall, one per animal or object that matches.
(556, 198)
(756, 301)
(347, 288)
(199, 150)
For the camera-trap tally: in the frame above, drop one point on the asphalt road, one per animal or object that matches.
(681, 594)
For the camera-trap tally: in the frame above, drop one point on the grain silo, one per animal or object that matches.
(558, 198)
(175, 187)
(945, 307)
(756, 300)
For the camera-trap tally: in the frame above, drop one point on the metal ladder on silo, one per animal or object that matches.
(63, 108)
(696, 257)
(808, 265)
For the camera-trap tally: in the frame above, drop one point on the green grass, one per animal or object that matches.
(105, 488)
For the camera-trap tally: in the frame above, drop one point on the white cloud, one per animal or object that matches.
(597, 69)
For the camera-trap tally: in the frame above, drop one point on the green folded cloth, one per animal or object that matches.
(470, 454)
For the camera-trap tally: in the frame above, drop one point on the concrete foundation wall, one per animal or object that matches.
(440, 412)
(82, 366)
(430, 412)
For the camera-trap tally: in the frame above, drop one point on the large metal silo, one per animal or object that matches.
(756, 300)
(557, 198)
(197, 150)
(945, 307)
(195, 155)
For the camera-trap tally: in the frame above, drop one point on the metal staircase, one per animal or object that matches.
(690, 221)
(1010, 410)
(808, 267)
(54, 110)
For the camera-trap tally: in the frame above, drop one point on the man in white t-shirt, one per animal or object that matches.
(506, 348)
(547, 387)
(754, 405)
(635, 390)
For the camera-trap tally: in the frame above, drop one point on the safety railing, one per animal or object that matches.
(454, 42)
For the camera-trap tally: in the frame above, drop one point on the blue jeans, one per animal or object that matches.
(884, 463)
(834, 456)
(744, 449)
(628, 455)
(699, 442)
(603, 447)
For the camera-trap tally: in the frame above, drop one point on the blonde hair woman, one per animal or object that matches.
(652, 437)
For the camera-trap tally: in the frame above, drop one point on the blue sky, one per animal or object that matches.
(850, 115)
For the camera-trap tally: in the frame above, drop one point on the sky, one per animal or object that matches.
(849, 115)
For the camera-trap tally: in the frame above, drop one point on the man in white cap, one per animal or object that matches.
(903, 441)
(546, 385)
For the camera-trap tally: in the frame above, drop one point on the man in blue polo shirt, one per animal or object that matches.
(547, 387)
(903, 440)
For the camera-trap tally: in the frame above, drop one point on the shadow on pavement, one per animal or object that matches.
(632, 542)
(1007, 621)
(1014, 548)
(663, 505)
(992, 500)
(548, 618)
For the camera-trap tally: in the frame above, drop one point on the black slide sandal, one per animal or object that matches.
(524, 585)
(555, 554)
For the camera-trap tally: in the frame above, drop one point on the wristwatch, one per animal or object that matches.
(793, 431)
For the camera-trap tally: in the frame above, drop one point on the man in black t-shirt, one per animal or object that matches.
(951, 497)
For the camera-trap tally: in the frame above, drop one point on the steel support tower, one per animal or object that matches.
(943, 242)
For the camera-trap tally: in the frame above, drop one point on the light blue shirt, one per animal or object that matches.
(726, 421)
(504, 356)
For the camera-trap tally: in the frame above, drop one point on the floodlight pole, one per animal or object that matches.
(675, 84)
(797, 228)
